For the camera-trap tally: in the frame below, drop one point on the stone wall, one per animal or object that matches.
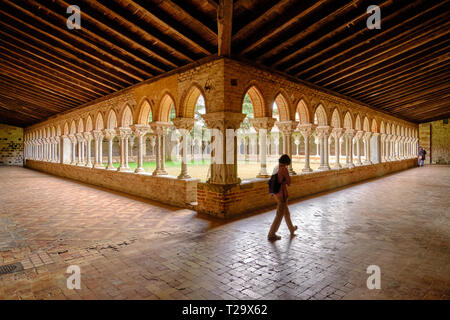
(435, 138)
(253, 194)
(170, 190)
(11, 145)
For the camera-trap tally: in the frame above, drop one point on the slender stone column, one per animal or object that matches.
(287, 128)
(306, 130)
(337, 133)
(98, 140)
(223, 170)
(140, 131)
(349, 133)
(383, 147)
(110, 135)
(263, 127)
(323, 133)
(73, 140)
(367, 137)
(184, 125)
(61, 149)
(80, 140)
(397, 142)
(124, 133)
(358, 136)
(88, 139)
(160, 130)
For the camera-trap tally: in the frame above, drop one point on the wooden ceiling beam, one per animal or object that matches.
(100, 56)
(174, 30)
(89, 73)
(276, 28)
(224, 27)
(349, 51)
(428, 56)
(326, 36)
(128, 37)
(276, 49)
(6, 92)
(390, 53)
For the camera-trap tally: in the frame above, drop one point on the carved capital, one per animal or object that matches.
(185, 124)
(337, 132)
(223, 120)
(263, 123)
(87, 136)
(160, 127)
(140, 130)
(80, 137)
(124, 132)
(287, 127)
(306, 129)
(109, 133)
(350, 133)
(323, 131)
(97, 134)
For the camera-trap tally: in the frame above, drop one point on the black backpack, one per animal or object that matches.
(274, 185)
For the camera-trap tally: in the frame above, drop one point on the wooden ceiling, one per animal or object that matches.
(46, 69)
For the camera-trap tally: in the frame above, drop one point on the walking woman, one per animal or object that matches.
(282, 197)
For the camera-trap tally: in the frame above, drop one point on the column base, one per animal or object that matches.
(98, 166)
(366, 163)
(263, 175)
(323, 168)
(111, 167)
(81, 164)
(124, 169)
(307, 170)
(337, 166)
(139, 170)
(159, 172)
(349, 165)
(89, 164)
(183, 176)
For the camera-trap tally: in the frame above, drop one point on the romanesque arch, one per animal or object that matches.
(320, 116)
(111, 122)
(99, 122)
(126, 120)
(336, 119)
(88, 127)
(348, 120)
(366, 126)
(374, 127)
(165, 105)
(145, 112)
(282, 107)
(189, 100)
(303, 112)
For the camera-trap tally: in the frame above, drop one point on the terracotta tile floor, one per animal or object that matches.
(130, 248)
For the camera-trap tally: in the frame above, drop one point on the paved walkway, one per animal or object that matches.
(130, 248)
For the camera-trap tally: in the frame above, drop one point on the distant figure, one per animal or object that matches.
(422, 154)
(278, 187)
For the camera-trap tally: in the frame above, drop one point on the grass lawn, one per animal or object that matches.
(199, 169)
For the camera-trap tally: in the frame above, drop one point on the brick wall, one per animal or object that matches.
(435, 138)
(11, 145)
(170, 190)
(252, 195)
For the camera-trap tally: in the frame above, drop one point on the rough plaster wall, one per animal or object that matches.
(435, 138)
(11, 145)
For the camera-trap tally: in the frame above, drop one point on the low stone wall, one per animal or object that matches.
(253, 194)
(166, 189)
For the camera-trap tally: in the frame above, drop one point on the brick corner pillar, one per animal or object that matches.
(160, 130)
(184, 126)
(287, 128)
(223, 125)
(306, 130)
(140, 130)
(263, 127)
